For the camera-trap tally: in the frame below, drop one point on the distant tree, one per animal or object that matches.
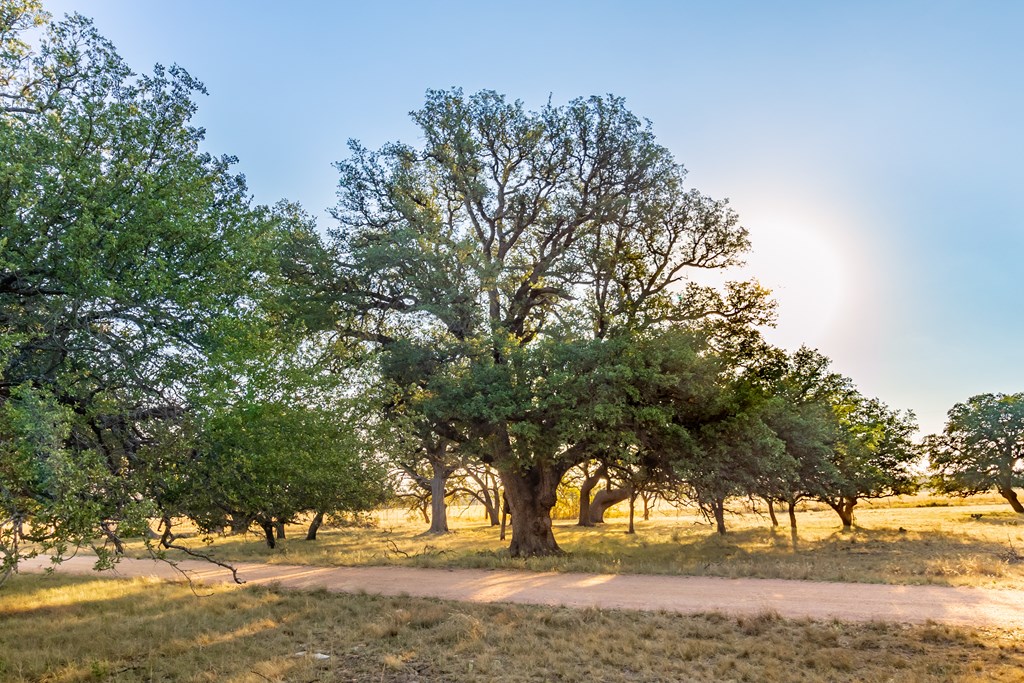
(733, 453)
(845, 447)
(981, 448)
(875, 456)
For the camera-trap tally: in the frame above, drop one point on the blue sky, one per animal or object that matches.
(873, 149)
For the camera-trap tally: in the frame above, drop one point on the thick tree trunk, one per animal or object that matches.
(531, 495)
(279, 528)
(603, 500)
(844, 508)
(791, 507)
(718, 507)
(771, 513)
(438, 507)
(1011, 497)
(586, 488)
(314, 526)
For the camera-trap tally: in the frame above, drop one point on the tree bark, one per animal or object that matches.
(718, 507)
(438, 507)
(268, 532)
(314, 526)
(603, 500)
(844, 508)
(279, 528)
(1011, 497)
(487, 496)
(771, 513)
(791, 506)
(586, 488)
(423, 508)
(499, 505)
(531, 495)
(632, 510)
(504, 517)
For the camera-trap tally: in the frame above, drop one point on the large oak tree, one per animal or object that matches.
(508, 229)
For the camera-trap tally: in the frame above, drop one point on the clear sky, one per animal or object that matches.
(875, 150)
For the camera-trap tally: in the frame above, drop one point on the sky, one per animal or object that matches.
(873, 149)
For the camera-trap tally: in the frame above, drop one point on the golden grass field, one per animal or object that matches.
(58, 629)
(917, 540)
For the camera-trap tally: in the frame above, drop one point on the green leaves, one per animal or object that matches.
(981, 448)
(130, 260)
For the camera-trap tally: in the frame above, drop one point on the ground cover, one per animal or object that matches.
(894, 542)
(63, 629)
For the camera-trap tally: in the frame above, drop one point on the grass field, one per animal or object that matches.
(63, 629)
(979, 544)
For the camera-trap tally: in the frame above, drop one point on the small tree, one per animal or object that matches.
(874, 457)
(981, 448)
(269, 462)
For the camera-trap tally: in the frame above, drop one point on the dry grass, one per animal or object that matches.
(62, 629)
(959, 545)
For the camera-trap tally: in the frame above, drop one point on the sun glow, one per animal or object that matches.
(807, 273)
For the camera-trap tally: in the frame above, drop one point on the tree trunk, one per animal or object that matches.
(113, 538)
(647, 506)
(438, 507)
(718, 507)
(1011, 497)
(792, 514)
(504, 517)
(603, 500)
(279, 527)
(490, 506)
(487, 495)
(586, 488)
(531, 495)
(268, 532)
(314, 526)
(498, 498)
(632, 509)
(771, 513)
(844, 508)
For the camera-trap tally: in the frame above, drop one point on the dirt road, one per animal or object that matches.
(684, 594)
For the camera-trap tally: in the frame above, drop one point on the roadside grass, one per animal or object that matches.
(59, 629)
(957, 545)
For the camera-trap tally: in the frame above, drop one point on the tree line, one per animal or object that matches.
(516, 298)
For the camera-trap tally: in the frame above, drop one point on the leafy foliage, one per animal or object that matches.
(128, 259)
(981, 448)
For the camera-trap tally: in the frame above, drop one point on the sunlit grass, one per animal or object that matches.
(960, 545)
(62, 629)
